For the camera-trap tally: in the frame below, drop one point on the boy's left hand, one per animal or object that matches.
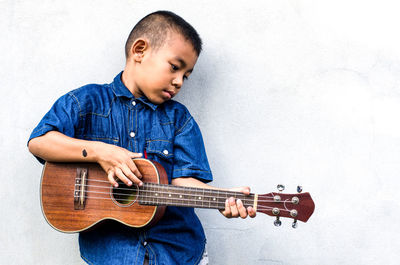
(235, 208)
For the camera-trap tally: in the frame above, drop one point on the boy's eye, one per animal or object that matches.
(185, 77)
(174, 67)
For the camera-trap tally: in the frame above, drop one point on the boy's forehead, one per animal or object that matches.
(180, 48)
(174, 38)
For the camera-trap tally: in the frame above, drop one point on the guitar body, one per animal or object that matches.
(68, 208)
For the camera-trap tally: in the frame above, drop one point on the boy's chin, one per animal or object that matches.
(158, 101)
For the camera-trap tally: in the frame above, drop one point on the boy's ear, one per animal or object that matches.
(138, 49)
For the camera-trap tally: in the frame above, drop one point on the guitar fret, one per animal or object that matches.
(159, 195)
(216, 200)
(194, 202)
(155, 194)
(201, 198)
(196, 197)
(209, 201)
(151, 197)
(142, 194)
(202, 201)
(167, 196)
(160, 198)
(181, 198)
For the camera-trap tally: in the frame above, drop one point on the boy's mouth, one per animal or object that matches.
(169, 94)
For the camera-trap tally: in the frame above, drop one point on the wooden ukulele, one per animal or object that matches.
(77, 196)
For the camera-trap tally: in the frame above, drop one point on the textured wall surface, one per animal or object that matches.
(293, 92)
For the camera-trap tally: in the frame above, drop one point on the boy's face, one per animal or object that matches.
(161, 73)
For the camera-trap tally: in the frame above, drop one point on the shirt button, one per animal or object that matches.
(145, 243)
(132, 134)
(134, 103)
(165, 152)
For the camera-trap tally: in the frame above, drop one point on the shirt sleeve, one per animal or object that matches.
(190, 159)
(63, 117)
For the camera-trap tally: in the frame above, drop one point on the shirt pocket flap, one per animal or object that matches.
(161, 148)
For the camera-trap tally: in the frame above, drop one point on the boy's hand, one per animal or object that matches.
(234, 209)
(117, 163)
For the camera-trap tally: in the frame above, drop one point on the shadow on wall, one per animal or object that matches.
(205, 84)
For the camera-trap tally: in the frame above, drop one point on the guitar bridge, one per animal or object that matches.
(80, 188)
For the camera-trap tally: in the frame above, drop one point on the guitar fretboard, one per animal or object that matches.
(169, 195)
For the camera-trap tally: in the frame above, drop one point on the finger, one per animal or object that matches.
(133, 168)
(246, 190)
(122, 177)
(241, 209)
(251, 212)
(233, 207)
(128, 173)
(227, 211)
(135, 155)
(111, 179)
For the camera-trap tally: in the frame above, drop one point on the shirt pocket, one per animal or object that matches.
(160, 148)
(100, 128)
(161, 151)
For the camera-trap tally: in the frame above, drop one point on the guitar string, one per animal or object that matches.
(202, 190)
(175, 198)
(143, 198)
(164, 185)
(151, 203)
(156, 185)
(180, 189)
(193, 195)
(144, 189)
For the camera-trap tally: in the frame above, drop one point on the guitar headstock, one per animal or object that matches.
(297, 206)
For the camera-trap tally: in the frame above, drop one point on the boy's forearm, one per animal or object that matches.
(57, 147)
(116, 161)
(192, 182)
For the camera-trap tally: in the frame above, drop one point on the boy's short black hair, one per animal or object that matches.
(156, 26)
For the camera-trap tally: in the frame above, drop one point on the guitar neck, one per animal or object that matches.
(170, 195)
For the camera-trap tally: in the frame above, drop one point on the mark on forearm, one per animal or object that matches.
(84, 153)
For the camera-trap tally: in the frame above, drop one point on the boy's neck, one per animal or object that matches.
(129, 82)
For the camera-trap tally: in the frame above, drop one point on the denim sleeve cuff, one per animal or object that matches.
(39, 132)
(202, 175)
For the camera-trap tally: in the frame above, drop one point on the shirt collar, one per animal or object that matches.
(147, 102)
(120, 90)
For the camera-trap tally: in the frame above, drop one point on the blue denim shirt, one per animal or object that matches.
(110, 113)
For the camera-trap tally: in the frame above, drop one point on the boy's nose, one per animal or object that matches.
(177, 82)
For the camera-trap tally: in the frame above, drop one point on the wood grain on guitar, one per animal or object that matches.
(77, 196)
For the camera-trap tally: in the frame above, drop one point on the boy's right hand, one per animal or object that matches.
(117, 163)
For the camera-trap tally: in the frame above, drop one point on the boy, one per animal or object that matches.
(113, 123)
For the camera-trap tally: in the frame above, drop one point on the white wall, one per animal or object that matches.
(291, 91)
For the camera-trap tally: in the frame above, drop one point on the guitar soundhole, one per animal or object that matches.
(124, 195)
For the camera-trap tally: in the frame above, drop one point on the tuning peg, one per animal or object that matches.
(277, 222)
(299, 189)
(280, 187)
(294, 224)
